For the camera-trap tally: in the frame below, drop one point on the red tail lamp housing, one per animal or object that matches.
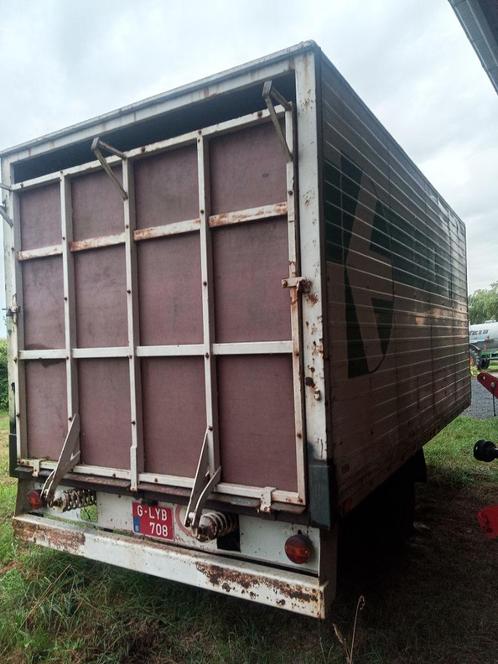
(34, 499)
(299, 549)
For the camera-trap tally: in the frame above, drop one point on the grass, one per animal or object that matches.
(433, 602)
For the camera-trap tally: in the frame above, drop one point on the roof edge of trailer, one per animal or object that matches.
(180, 91)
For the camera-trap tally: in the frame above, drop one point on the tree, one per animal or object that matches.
(483, 304)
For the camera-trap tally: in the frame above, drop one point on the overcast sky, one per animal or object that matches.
(63, 61)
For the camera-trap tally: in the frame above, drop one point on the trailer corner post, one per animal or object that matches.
(311, 252)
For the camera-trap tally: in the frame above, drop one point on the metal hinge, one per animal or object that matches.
(266, 499)
(69, 457)
(205, 480)
(269, 94)
(3, 207)
(13, 310)
(301, 284)
(97, 146)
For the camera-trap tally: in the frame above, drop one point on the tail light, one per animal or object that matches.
(299, 549)
(34, 499)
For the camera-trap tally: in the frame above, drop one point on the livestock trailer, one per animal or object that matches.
(234, 311)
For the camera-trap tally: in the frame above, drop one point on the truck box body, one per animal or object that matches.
(253, 305)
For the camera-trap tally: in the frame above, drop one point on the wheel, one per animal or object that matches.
(484, 363)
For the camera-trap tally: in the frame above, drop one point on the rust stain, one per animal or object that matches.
(65, 540)
(228, 579)
(96, 242)
(241, 216)
(163, 231)
(312, 298)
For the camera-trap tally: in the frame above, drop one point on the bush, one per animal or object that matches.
(4, 380)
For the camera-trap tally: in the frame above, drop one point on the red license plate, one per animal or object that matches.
(153, 520)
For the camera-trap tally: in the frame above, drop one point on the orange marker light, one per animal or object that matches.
(34, 499)
(299, 549)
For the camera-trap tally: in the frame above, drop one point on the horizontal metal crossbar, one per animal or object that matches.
(174, 350)
(41, 252)
(97, 242)
(175, 228)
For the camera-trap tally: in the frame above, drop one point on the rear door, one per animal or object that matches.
(152, 305)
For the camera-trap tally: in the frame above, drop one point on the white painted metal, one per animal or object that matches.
(211, 392)
(295, 299)
(313, 307)
(171, 351)
(223, 488)
(253, 348)
(42, 252)
(301, 593)
(260, 539)
(69, 299)
(97, 242)
(136, 450)
(176, 228)
(208, 348)
(83, 469)
(42, 354)
(68, 458)
(17, 324)
(251, 214)
(106, 351)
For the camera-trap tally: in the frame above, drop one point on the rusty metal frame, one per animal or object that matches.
(289, 589)
(208, 348)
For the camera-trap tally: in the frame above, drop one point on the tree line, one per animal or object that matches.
(483, 304)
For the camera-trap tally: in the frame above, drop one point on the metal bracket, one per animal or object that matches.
(69, 457)
(204, 483)
(266, 498)
(13, 310)
(3, 207)
(269, 94)
(301, 284)
(36, 463)
(5, 215)
(97, 147)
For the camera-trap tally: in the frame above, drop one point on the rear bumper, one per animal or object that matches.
(289, 590)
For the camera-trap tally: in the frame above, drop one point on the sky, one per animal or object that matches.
(63, 61)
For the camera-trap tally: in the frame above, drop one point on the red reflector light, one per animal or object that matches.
(298, 549)
(34, 499)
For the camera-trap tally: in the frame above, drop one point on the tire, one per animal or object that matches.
(484, 363)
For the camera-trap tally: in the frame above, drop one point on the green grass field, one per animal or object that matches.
(435, 601)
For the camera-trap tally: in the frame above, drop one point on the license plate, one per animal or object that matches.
(153, 520)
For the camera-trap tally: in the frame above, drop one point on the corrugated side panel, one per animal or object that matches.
(397, 297)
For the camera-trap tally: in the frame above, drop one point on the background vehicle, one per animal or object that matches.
(236, 310)
(477, 359)
(485, 337)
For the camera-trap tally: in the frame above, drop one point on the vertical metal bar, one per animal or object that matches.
(136, 450)
(17, 328)
(69, 297)
(314, 307)
(208, 305)
(294, 271)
